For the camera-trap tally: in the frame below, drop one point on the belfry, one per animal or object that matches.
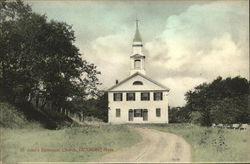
(137, 58)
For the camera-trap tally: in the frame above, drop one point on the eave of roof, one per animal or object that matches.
(135, 74)
(137, 55)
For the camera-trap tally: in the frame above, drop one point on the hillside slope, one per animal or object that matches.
(10, 117)
(27, 116)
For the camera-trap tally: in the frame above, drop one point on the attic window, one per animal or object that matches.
(137, 83)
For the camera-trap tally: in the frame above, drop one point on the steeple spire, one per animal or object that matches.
(137, 23)
(137, 58)
(137, 37)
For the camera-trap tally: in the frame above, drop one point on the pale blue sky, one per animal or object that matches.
(186, 42)
(95, 19)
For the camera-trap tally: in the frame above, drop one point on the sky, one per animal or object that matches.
(186, 42)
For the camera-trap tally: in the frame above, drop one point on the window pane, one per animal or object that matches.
(145, 96)
(157, 95)
(137, 63)
(118, 112)
(158, 112)
(117, 96)
(130, 96)
(138, 113)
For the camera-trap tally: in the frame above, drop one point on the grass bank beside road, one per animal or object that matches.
(212, 144)
(70, 144)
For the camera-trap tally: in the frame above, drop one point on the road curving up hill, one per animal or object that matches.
(155, 146)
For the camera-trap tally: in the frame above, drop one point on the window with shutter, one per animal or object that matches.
(157, 96)
(131, 96)
(117, 96)
(145, 96)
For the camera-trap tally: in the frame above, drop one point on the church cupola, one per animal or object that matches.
(137, 58)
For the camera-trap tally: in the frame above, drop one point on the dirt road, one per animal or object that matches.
(155, 146)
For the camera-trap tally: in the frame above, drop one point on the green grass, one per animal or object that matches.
(26, 115)
(20, 133)
(11, 117)
(212, 144)
(111, 137)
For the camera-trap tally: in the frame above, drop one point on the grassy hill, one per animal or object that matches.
(75, 144)
(26, 115)
(24, 138)
(11, 117)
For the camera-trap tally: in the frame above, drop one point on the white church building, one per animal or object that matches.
(138, 98)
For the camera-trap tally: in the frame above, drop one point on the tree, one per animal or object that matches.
(102, 107)
(39, 58)
(222, 101)
(179, 115)
(95, 107)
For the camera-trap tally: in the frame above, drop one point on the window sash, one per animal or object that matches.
(130, 96)
(117, 96)
(158, 112)
(158, 96)
(118, 112)
(145, 96)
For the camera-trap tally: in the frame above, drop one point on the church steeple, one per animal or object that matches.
(137, 58)
(137, 37)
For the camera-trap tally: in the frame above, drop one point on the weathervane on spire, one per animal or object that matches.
(137, 23)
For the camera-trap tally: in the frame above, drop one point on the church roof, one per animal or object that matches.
(137, 37)
(139, 74)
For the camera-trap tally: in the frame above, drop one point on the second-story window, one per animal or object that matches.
(131, 96)
(117, 96)
(145, 96)
(157, 96)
